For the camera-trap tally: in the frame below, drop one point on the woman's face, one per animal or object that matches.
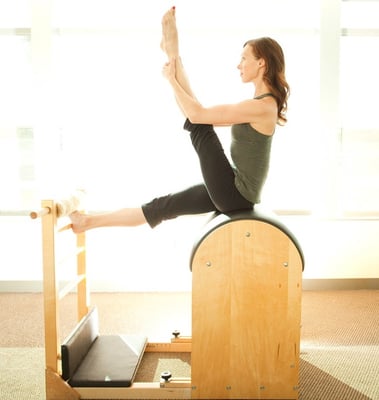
(249, 66)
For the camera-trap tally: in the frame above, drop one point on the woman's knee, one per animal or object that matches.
(193, 128)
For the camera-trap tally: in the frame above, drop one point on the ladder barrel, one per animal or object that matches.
(246, 309)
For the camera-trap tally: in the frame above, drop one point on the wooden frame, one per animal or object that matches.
(246, 306)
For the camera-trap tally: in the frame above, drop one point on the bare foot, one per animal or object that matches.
(170, 42)
(78, 221)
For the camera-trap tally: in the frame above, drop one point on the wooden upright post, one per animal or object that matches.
(83, 294)
(50, 288)
(56, 387)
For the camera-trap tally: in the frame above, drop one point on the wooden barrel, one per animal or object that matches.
(246, 309)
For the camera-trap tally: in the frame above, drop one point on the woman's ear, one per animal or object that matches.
(261, 62)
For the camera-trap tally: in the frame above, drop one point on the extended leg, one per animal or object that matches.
(123, 217)
(170, 45)
(193, 200)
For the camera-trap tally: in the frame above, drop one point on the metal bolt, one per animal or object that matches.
(262, 387)
(208, 264)
(285, 264)
(228, 387)
(248, 234)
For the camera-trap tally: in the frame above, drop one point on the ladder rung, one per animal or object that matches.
(73, 254)
(70, 285)
(64, 227)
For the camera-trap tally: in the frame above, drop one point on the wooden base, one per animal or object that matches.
(175, 388)
(136, 391)
(57, 388)
(175, 346)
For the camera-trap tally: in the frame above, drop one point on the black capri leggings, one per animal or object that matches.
(217, 193)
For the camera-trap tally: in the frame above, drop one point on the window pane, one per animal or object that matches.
(360, 133)
(359, 68)
(16, 142)
(360, 172)
(360, 14)
(15, 80)
(15, 14)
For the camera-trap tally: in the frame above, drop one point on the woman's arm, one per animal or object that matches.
(251, 111)
(247, 111)
(182, 80)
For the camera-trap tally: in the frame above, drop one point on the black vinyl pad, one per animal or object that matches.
(76, 346)
(112, 361)
(91, 360)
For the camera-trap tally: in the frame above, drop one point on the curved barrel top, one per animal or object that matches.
(218, 219)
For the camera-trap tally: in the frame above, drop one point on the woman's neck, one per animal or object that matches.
(261, 88)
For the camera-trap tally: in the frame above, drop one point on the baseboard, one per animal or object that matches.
(308, 284)
(21, 286)
(341, 284)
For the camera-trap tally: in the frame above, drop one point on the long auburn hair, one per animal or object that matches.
(274, 76)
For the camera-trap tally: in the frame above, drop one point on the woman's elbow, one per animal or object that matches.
(193, 119)
(197, 116)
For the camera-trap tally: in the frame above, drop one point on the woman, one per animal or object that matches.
(226, 187)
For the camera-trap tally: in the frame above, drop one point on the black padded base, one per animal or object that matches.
(112, 361)
(91, 360)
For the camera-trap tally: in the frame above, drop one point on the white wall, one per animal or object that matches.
(337, 249)
(142, 259)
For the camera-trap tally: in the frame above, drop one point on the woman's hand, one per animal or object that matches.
(169, 70)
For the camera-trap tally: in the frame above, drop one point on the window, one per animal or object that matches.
(85, 103)
(16, 131)
(359, 168)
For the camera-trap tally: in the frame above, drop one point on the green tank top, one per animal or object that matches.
(250, 152)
